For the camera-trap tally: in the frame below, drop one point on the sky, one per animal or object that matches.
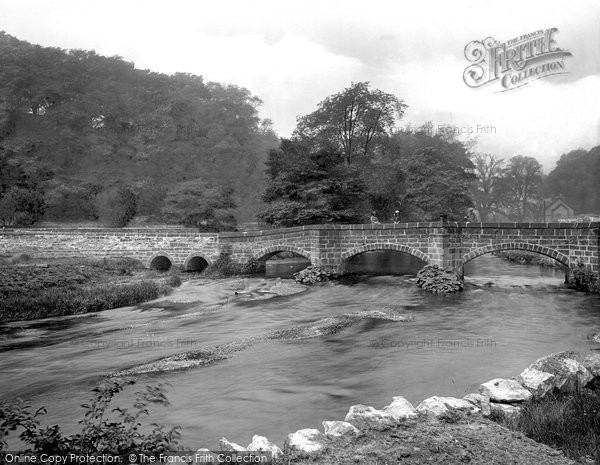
(293, 54)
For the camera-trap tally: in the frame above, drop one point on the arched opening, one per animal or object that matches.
(281, 261)
(384, 262)
(161, 263)
(196, 263)
(515, 265)
(284, 264)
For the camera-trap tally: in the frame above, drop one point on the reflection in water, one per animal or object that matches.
(508, 316)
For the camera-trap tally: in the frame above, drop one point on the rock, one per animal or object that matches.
(262, 444)
(335, 429)
(505, 391)
(568, 372)
(438, 406)
(480, 401)
(592, 364)
(401, 409)
(505, 409)
(364, 417)
(308, 441)
(538, 382)
(228, 446)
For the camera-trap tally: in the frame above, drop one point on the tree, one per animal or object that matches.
(486, 191)
(350, 121)
(116, 206)
(21, 207)
(311, 187)
(421, 174)
(576, 178)
(200, 204)
(521, 186)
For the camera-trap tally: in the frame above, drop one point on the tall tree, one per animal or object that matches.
(521, 188)
(351, 120)
(311, 187)
(486, 191)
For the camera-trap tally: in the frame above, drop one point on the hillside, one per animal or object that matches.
(74, 123)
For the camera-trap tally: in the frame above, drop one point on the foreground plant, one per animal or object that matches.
(438, 280)
(117, 431)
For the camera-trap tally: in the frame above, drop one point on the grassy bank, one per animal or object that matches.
(568, 422)
(67, 287)
(528, 258)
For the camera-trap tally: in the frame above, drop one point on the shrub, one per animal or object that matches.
(438, 280)
(116, 206)
(583, 279)
(223, 267)
(116, 431)
(21, 207)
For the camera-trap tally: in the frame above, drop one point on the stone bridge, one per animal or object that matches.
(450, 245)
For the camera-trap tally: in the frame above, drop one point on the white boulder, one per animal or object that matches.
(592, 364)
(365, 417)
(538, 382)
(438, 406)
(568, 372)
(228, 446)
(505, 391)
(308, 441)
(505, 409)
(262, 444)
(335, 429)
(401, 409)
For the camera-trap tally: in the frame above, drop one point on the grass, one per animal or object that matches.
(569, 422)
(78, 286)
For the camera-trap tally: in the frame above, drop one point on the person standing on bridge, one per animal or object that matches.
(472, 216)
(396, 217)
(374, 219)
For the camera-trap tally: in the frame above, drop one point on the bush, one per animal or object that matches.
(438, 280)
(314, 274)
(223, 267)
(21, 207)
(584, 280)
(116, 206)
(115, 431)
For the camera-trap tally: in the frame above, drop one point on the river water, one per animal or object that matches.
(508, 316)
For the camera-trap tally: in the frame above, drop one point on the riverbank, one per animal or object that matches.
(36, 289)
(528, 258)
(554, 401)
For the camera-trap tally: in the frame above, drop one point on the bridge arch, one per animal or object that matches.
(555, 254)
(264, 254)
(196, 261)
(378, 246)
(160, 261)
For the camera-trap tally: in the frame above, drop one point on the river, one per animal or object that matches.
(508, 316)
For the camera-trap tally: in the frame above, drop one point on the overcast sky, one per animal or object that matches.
(294, 54)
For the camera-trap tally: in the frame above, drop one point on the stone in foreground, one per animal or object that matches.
(507, 410)
(569, 373)
(365, 417)
(262, 444)
(505, 391)
(592, 363)
(307, 441)
(401, 409)
(335, 429)
(538, 382)
(481, 402)
(437, 406)
(229, 446)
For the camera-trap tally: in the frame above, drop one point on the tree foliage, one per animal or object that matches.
(116, 206)
(98, 120)
(351, 121)
(200, 204)
(311, 187)
(487, 190)
(521, 184)
(20, 206)
(576, 177)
